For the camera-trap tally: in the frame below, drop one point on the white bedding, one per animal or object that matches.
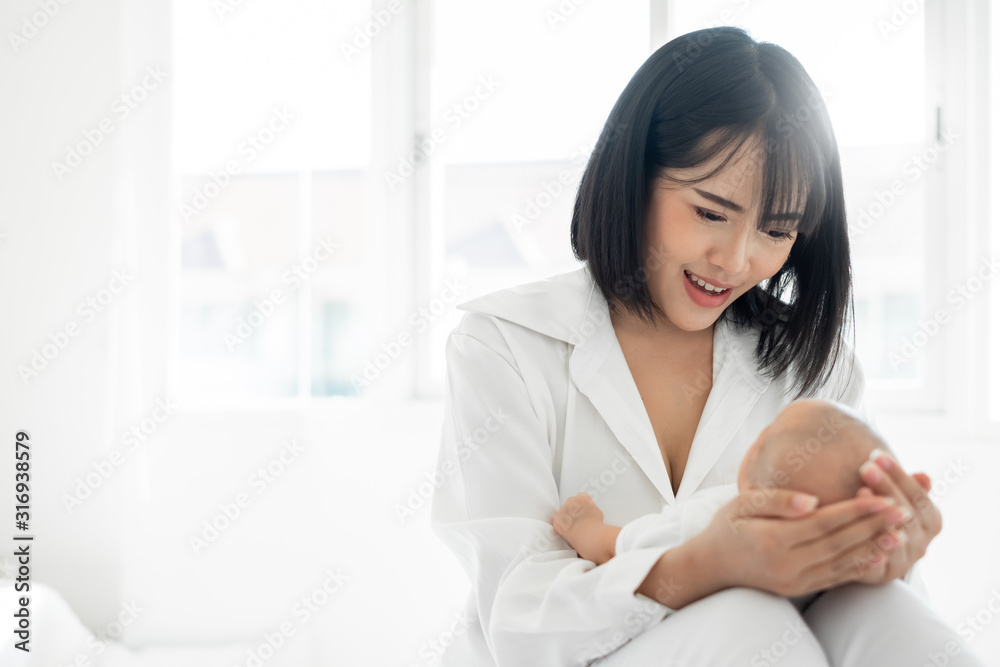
(59, 639)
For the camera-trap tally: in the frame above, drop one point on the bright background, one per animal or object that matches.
(426, 154)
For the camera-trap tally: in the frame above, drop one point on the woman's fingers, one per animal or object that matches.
(911, 489)
(882, 483)
(864, 532)
(847, 555)
(834, 517)
(886, 477)
(851, 565)
(773, 502)
(785, 503)
(922, 479)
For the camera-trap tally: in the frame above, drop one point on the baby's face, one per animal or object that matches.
(813, 446)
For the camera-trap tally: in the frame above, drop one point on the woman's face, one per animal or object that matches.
(708, 231)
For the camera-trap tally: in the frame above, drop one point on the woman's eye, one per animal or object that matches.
(711, 217)
(779, 235)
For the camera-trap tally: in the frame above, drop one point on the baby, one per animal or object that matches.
(792, 452)
(813, 445)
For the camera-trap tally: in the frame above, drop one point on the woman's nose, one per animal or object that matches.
(732, 252)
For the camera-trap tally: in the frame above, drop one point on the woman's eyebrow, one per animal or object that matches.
(722, 201)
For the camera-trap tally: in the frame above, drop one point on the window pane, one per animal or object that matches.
(518, 123)
(235, 339)
(337, 346)
(252, 225)
(534, 232)
(338, 318)
(870, 71)
(520, 91)
(874, 87)
(538, 98)
(270, 161)
(212, 364)
(231, 73)
(338, 213)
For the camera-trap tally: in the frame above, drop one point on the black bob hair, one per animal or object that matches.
(710, 93)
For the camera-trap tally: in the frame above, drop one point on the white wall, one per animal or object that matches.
(57, 252)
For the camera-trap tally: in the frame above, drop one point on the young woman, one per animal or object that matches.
(715, 290)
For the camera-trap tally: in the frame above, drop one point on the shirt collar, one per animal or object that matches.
(557, 306)
(570, 307)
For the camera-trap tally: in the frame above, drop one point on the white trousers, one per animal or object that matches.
(854, 625)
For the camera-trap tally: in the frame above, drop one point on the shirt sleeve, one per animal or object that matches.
(675, 524)
(660, 528)
(538, 603)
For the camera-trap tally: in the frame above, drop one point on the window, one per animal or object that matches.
(270, 165)
(452, 169)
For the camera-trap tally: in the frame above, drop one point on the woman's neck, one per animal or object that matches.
(664, 335)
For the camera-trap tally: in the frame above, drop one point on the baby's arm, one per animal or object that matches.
(581, 523)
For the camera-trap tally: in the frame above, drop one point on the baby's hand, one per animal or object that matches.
(581, 523)
(577, 513)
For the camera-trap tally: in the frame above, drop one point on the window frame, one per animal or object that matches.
(953, 402)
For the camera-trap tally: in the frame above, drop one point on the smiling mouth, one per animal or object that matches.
(705, 288)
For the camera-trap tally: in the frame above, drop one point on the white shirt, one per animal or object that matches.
(539, 405)
(682, 520)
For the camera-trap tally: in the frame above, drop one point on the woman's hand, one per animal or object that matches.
(761, 540)
(923, 523)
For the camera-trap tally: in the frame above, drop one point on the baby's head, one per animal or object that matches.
(814, 446)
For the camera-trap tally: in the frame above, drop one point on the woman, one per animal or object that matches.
(645, 376)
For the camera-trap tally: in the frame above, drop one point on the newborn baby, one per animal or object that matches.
(813, 446)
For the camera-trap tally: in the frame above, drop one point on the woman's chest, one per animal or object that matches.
(674, 392)
(603, 440)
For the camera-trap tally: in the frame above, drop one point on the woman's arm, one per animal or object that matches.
(772, 546)
(538, 603)
(693, 570)
(684, 574)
